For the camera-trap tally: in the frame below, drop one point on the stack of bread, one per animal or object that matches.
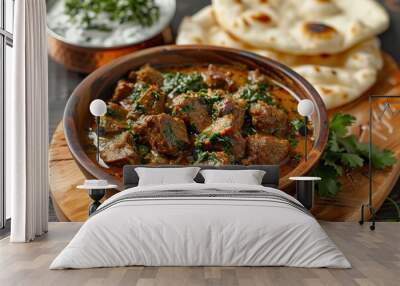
(331, 43)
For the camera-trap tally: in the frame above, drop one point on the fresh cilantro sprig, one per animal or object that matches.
(344, 153)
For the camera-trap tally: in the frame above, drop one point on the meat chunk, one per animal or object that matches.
(238, 146)
(155, 158)
(193, 110)
(124, 88)
(120, 149)
(116, 111)
(222, 136)
(231, 106)
(132, 76)
(268, 119)
(222, 126)
(114, 120)
(149, 75)
(166, 134)
(266, 149)
(140, 125)
(215, 78)
(151, 102)
(222, 158)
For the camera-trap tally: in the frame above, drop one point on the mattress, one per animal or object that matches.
(201, 225)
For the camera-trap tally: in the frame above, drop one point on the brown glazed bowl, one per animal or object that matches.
(85, 60)
(101, 82)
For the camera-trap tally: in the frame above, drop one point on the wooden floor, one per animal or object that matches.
(375, 257)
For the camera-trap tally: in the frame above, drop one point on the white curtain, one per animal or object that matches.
(27, 124)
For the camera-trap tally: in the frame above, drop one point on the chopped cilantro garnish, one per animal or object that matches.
(138, 90)
(156, 94)
(214, 138)
(297, 157)
(205, 156)
(293, 141)
(297, 124)
(137, 107)
(178, 83)
(255, 91)
(86, 13)
(209, 100)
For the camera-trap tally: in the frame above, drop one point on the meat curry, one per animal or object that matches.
(213, 115)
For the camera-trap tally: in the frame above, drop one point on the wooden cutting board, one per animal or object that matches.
(72, 204)
(346, 205)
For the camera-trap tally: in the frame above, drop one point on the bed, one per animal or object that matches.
(197, 224)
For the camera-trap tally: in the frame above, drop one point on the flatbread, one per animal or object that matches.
(339, 78)
(302, 27)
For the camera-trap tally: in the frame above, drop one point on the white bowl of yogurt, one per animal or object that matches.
(84, 50)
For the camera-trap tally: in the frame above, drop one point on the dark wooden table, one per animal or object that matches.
(63, 82)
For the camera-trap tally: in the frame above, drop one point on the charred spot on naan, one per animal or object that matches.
(317, 30)
(261, 17)
(326, 90)
(246, 22)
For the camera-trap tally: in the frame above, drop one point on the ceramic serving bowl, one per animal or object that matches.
(101, 82)
(85, 58)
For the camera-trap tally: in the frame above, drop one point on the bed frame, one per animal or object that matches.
(271, 177)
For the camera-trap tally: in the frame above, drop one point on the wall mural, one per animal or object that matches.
(393, 5)
(382, 130)
(224, 107)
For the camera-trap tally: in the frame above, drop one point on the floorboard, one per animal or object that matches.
(375, 257)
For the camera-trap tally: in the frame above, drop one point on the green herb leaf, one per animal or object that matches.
(329, 185)
(348, 143)
(380, 158)
(351, 160)
(344, 154)
(340, 123)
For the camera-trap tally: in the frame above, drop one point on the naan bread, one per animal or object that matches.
(339, 78)
(302, 27)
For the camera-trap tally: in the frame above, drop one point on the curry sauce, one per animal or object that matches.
(212, 115)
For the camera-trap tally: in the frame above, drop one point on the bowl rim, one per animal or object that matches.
(92, 169)
(150, 36)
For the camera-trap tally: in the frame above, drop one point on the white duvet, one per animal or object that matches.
(200, 231)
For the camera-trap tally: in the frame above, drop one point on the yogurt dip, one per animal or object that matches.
(124, 34)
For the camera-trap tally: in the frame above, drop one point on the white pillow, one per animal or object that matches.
(166, 176)
(248, 177)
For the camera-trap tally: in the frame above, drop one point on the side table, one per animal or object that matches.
(96, 191)
(305, 189)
